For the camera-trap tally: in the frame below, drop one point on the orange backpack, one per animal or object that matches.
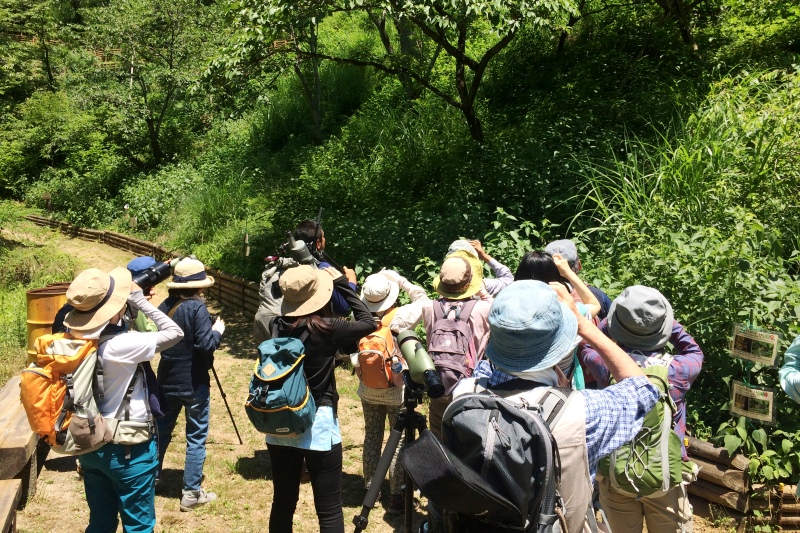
(375, 352)
(62, 383)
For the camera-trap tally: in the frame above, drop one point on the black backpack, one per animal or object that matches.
(498, 468)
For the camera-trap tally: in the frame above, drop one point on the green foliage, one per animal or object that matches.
(702, 217)
(152, 198)
(774, 456)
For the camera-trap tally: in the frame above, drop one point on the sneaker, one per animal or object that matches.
(193, 498)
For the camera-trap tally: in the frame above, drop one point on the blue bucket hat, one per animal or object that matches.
(530, 328)
(140, 264)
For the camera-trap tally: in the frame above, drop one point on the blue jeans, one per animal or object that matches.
(116, 485)
(197, 407)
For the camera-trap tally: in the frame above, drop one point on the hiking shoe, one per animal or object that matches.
(193, 498)
(397, 504)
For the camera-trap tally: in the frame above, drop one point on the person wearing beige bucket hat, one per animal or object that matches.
(119, 477)
(183, 374)
(306, 314)
(533, 325)
(379, 293)
(460, 287)
(642, 323)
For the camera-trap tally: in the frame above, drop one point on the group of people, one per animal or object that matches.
(541, 324)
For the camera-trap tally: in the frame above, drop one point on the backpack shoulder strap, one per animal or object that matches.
(469, 305)
(125, 406)
(438, 310)
(174, 308)
(386, 319)
(552, 404)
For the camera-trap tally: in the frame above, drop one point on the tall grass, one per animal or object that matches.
(708, 215)
(739, 149)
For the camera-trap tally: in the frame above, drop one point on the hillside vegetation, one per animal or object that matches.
(662, 135)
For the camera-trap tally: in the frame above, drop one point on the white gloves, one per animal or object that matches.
(219, 326)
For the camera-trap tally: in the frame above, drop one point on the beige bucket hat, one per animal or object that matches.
(379, 293)
(305, 289)
(96, 297)
(190, 274)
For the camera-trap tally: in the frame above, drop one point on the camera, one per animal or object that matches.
(299, 251)
(420, 365)
(154, 275)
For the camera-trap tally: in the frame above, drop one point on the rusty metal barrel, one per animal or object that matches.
(43, 304)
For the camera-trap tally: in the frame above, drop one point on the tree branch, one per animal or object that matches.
(493, 51)
(389, 70)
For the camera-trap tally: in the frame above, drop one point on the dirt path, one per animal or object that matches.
(239, 474)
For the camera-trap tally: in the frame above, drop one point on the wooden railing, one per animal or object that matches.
(236, 293)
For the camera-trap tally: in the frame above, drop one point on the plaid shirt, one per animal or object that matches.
(613, 416)
(683, 370)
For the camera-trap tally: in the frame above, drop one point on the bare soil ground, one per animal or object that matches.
(239, 474)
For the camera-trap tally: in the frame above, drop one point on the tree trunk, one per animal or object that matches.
(408, 53)
(155, 146)
(51, 84)
(474, 123)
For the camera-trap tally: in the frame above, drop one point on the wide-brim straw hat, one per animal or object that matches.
(305, 290)
(190, 274)
(530, 329)
(641, 318)
(96, 297)
(461, 276)
(379, 293)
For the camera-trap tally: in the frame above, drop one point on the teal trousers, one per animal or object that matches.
(121, 486)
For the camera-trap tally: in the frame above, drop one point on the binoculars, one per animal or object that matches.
(420, 364)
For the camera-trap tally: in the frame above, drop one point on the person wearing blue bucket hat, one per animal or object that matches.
(533, 326)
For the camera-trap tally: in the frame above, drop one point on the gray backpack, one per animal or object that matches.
(498, 468)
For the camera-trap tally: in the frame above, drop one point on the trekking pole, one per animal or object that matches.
(225, 399)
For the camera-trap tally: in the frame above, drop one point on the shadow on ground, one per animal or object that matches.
(238, 337)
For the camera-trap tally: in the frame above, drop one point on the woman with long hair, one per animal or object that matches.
(306, 314)
(541, 266)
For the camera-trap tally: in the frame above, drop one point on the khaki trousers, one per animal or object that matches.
(668, 513)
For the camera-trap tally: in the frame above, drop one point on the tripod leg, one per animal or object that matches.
(385, 461)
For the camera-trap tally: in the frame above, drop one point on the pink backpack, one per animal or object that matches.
(451, 344)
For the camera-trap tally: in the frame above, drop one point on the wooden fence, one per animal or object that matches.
(231, 291)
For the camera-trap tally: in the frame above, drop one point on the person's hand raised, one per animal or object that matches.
(562, 265)
(350, 274)
(565, 297)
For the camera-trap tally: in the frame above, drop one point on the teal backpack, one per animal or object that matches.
(651, 463)
(279, 402)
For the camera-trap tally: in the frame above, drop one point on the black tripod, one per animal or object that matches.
(408, 420)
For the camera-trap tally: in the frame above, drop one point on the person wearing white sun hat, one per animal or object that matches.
(379, 293)
(119, 478)
(183, 374)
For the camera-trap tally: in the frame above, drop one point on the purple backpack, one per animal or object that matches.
(450, 344)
